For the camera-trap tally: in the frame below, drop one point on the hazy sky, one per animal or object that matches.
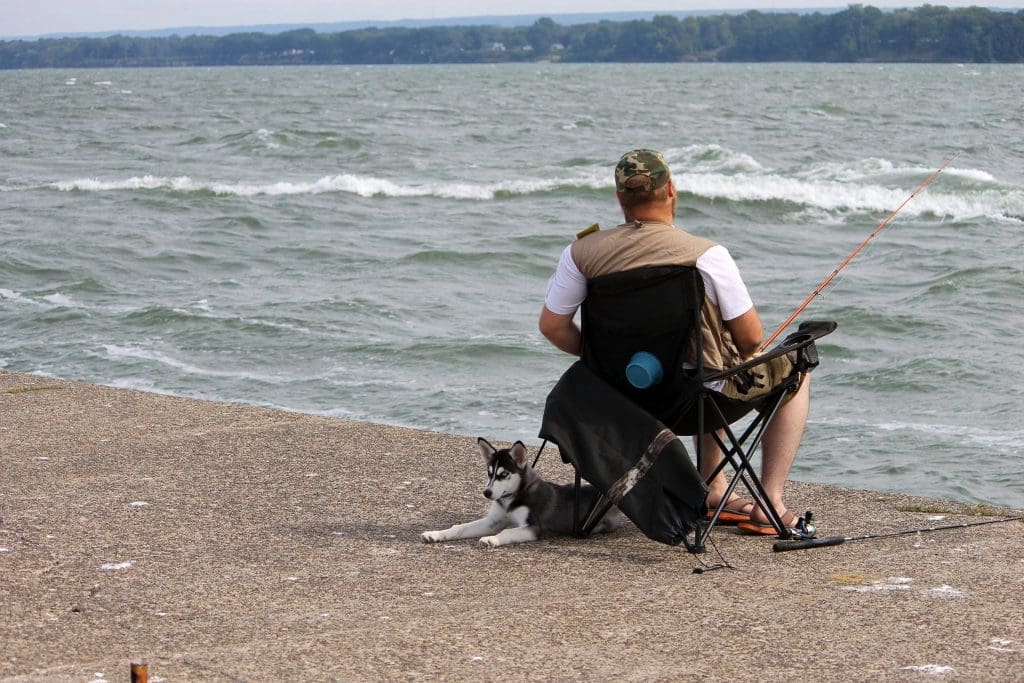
(35, 17)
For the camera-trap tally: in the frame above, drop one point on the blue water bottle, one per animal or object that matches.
(644, 370)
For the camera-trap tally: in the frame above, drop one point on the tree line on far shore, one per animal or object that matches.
(857, 34)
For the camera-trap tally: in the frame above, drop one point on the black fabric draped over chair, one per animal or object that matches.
(624, 439)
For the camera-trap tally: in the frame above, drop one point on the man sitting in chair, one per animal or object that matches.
(730, 324)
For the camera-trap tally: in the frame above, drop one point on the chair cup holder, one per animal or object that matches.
(796, 340)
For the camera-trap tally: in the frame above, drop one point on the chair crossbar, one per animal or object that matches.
(740, 457)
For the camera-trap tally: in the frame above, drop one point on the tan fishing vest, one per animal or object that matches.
(640, 244)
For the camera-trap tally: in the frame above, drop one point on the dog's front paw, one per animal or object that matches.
(432, 536)
(490, 541)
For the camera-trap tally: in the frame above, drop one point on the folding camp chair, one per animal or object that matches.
(624, 439)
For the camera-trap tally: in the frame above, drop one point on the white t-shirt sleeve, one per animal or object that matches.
(723, 284)
(567, 288)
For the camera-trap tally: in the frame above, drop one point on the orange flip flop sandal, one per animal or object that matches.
(732, 513)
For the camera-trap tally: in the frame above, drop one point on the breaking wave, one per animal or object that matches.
(965, 194)
(363, 186)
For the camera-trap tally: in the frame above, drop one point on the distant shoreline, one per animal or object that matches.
(927, 34)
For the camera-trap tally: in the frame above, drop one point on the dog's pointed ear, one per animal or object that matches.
(519, 453)
(486, 449)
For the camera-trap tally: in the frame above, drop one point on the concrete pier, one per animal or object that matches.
(218, 542)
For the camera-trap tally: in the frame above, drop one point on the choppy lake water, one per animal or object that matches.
(374, 242)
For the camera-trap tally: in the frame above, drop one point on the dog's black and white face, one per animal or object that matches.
(505, 469)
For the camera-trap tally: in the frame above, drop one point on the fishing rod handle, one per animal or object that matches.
(804, 543)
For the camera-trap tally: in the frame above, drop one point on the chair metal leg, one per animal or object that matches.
(594, 515)
(576, 507)
(597, 512)
(739, 457)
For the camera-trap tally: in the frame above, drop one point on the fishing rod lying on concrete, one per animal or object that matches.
(804, 543)
(881, 226)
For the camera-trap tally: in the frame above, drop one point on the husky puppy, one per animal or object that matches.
(523, 505)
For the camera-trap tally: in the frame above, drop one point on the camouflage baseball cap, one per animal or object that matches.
(641, 169)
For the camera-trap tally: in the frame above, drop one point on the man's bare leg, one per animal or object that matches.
(778, 451)
(779, 446)
(711, 456)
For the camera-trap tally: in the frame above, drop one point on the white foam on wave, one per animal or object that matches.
(137, 384)
(60, 300)
(134, 352)
(57, 300)
(290, 327)
(819, 217)
(832, 188)
(147, 182)
(364, 186)
(330, 412)
(118, 352)
(1006, 441)
(835, 196)
(267, 138)
(868, 169)
(711, 158)
(710, 172)
(970, 174)
(137, 353)
(48, 302)
(831, 196)
(862, 185)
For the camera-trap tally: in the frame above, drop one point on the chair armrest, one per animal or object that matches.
(802, 338)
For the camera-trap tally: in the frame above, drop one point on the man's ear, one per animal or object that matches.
(626, 213)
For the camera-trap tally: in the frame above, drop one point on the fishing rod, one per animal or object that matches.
(804, 543)
(881, 226)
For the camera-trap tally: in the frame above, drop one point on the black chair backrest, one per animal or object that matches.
(654, 309)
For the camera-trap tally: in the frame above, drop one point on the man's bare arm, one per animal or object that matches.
(561, 330)
(746, 332)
